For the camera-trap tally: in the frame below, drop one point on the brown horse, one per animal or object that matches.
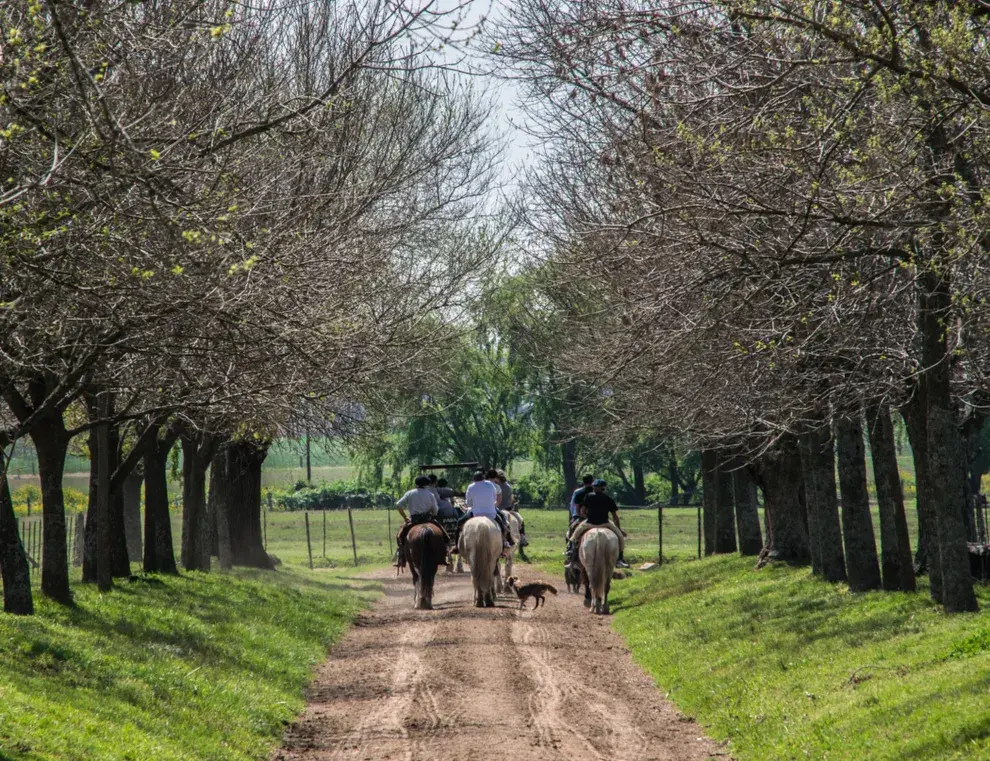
(425, 550)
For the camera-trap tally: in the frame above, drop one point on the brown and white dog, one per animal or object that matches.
(535, 589)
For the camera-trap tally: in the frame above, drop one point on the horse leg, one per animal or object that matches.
(426, 590)
(415, 579)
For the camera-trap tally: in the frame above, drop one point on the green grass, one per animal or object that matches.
(787, 667)
(206, 666)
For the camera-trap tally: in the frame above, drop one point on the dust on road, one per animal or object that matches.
(462, 684)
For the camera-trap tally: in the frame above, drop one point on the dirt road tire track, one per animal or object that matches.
(463, 684)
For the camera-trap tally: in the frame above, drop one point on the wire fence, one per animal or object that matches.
(32, 538)
(366, 535)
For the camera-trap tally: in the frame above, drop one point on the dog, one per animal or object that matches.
(536, 589)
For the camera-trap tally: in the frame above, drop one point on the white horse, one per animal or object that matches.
(599, 552)
(515, 524)
(480, 545)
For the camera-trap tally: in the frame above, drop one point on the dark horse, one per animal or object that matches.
(425, 551)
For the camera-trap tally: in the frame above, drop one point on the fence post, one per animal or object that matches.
(659, 533)
(309, 546)
(699, 532)
(391, 539)
(324, 533)
(350, 520)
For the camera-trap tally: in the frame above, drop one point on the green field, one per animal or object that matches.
(204, 666)
(787, 667)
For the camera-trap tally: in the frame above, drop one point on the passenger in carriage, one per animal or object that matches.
(445, 508)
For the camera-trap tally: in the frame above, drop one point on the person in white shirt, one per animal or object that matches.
(422, 505)
(482, 499)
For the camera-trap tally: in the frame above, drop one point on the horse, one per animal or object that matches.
(599, 552)
(425, 550)
(481, 545)
(514, 531)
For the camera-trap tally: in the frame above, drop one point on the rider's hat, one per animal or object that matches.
(600, 482)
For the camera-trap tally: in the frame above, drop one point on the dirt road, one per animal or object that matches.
(461, 683)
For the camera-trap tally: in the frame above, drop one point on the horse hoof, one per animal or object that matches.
(479, 604)
(587, 602)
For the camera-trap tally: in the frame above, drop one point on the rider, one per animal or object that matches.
(576, 508)
(506, 504)
(422, 506)
(482, 498)
(598, 506)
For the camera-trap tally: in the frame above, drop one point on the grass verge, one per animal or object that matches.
(203, 666)
(786, 667)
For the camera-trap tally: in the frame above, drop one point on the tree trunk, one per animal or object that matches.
(862, 565)
(895, 545)
(89, 544)
(219, 481)
(159, 555)
(709, 498)
(120, 561)
(926, 559)
(725, 522)
(675, 481)
(212, 519)
(131, 491)
(812, 500)
(944, 451)
(243, 503)
(14, 568)
(195, 553)
(104, 576)
(780, 477)
(825, 532)
(120, 566)
(51, 441)
(639, 482)
(747, 514)
(948, 486)
(568, 455)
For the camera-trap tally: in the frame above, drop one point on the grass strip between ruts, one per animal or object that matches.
(787, 667)
(202, 666)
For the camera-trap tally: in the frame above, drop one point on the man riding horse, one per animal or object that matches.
(482, 498)
(422, 504)
(598, 506)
